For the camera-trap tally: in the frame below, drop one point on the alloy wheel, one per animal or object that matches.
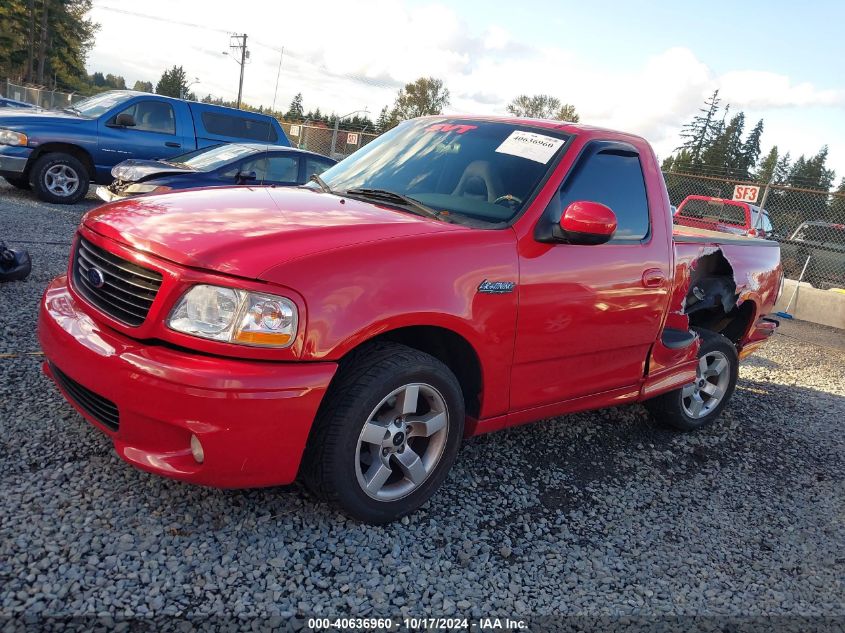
(402, 442)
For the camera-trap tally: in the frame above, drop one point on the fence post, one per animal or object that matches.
(334, 138)
(763, 203)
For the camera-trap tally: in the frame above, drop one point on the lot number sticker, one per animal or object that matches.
(746, 193)
(536, 147)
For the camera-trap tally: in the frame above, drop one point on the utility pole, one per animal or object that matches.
(244, 55)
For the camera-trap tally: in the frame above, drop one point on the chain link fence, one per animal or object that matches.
(808, 223)
(325, 138)
(49, 99)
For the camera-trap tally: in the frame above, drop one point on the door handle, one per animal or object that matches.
(653, 278)
(172, 144)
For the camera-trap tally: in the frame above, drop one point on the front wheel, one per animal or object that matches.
(700, 402)
(387, 433)
(59, 178)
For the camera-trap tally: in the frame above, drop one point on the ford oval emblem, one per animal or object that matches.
(96, 277)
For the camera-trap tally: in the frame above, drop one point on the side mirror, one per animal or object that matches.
(124, 119)
(244, 177)
(585, 222)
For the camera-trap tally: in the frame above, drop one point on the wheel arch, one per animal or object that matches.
(80, 153)
(448, 346)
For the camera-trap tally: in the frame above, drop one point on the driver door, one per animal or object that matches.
(588, 314)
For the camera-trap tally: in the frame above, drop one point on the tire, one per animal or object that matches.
(347, 448)
(19, 183)
(677, 409)
(59, 178)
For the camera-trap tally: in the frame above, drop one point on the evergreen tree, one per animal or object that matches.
(698, 133)
(295, 111)
(46, 41)
(383, 120)
(98, 79)
(768, 165)
(751, 149)
(174, 83)
(143, 86)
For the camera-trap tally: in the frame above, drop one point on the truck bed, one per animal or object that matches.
(694, 235)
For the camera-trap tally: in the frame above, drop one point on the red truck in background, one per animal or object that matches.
(728, 216)
(454, 277)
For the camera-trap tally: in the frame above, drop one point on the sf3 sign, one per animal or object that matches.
(746, 193)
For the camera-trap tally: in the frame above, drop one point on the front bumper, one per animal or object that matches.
(107, 195)
(13, 159)
(252, 417)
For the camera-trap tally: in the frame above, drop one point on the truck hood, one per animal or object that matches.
(245, 231)
(24, 118)
(136, 170)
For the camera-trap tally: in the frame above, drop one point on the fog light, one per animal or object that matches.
(196, 449)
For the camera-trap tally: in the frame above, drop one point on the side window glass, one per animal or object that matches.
(152, 116)
(614, 179)
(282, 168)
(258, 165)
(315, 166)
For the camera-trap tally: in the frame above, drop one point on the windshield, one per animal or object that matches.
(481, 169)
(92, 107)
(209, 159)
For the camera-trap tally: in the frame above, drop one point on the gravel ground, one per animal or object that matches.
(599, 513)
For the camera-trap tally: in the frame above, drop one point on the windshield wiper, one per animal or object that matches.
(72, 110)
(321, 182)
(391, 197)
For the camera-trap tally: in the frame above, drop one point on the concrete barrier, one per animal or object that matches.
(825, 307)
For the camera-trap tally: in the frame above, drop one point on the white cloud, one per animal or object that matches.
(760, 89)
(355, 55)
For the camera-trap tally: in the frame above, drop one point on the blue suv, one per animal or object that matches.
(59, 153)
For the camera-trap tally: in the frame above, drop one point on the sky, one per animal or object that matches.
(643, 67)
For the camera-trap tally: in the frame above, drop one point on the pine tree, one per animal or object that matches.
(751, 149)
(768, 165)
(698, 133)
(174, 83)
(383, 120)
(295, 111)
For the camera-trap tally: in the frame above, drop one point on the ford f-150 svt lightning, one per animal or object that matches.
(454, 277)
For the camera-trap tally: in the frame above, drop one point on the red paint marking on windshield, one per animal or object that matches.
(450, 127)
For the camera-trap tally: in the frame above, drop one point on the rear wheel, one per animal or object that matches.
(60, 178)
(700, 402)
(387, 433)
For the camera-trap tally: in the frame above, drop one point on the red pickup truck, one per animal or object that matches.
(454, 277)
(728, 216)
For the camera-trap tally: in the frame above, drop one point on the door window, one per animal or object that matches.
(152, 116)
(614, 179)
(272, 169)
(315, 165)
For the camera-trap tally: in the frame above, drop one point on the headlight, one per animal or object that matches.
(10, 137)
(235, 316)
(142, 188)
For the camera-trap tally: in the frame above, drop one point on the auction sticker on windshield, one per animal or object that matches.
(536, 147)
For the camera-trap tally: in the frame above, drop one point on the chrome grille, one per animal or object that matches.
(99, 408)
(126, 291)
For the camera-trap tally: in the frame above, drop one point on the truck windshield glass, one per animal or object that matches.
(481, 169)
(93, 107)
(212, 158)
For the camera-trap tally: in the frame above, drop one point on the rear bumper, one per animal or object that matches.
(760, 333)
(252, 417)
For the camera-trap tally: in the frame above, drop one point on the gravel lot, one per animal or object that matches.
(599, 513)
